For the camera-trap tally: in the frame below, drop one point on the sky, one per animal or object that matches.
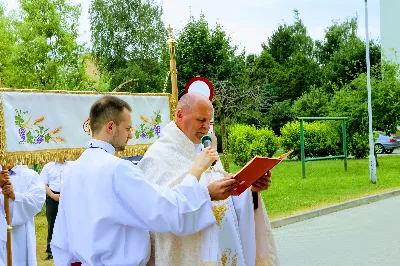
(250, 22)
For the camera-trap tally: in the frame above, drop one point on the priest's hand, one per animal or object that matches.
(203, 162)
(223, 188)
(8, 189)
(4, 177)
(262, 183)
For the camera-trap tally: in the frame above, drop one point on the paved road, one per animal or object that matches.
(365, 235)
(395, 152)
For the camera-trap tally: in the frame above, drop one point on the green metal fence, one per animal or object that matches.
(304, 160)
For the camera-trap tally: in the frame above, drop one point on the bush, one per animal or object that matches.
(358, 145)
(320, 139)
(245, 142)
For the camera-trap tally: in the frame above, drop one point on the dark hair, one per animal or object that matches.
(108, 108)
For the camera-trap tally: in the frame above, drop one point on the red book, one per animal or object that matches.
(253, 170)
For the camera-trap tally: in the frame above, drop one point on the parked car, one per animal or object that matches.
(386, 144)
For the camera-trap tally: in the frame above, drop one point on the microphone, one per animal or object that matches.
(206, 140)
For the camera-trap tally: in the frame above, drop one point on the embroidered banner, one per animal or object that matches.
(41, 126)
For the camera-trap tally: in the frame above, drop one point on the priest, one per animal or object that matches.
(107, 207)
(27, 195)
(243, 234)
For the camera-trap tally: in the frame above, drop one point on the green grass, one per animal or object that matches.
(326, 184)
(41, 240)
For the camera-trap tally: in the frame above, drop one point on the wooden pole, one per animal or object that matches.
(172, 64)
(9, 228)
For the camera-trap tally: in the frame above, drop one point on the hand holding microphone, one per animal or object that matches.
(207, 141)
(203, 162)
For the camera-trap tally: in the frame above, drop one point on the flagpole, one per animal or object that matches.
(9, 228)
(372, 161)
(173, 70)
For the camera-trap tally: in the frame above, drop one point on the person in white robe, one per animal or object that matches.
(27, 195)
(107, 207)
(243, 235)
(4, 178)
(51, 176)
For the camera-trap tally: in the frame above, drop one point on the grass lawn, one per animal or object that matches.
(41, 240)
(326, 184)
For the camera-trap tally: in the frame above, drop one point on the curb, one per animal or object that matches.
(334, 208)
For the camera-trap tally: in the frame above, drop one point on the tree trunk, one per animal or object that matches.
(376, 158)
(224, 143)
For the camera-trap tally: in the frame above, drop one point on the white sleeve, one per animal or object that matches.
(244, 209)
(3, 250)
(27, 204)
(183, 210)
(59, 243)
(44, 174)
(64, 174)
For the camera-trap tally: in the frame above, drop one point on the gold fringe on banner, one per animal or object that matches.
(48, 155)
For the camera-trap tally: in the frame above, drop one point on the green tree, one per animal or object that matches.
(128, 39)
(287, 62)
(229, 100)
(7, 41)
(348, 62)
(267, 99)
(312, 104)
(260, 68)
(290, 39)
(336, 36)
(280, 114)
(352, 102)
(46, 54)
(292, 80)
(202, 51)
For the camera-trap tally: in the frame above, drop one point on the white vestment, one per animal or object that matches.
(30, 195)
(52, 174)
(244, 236)
(107, 208)
(3, 236)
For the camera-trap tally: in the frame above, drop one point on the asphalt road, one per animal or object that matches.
(364, 235)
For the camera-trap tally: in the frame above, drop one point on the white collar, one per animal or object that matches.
(95, 143)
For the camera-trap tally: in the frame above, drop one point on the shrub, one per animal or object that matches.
(320, 139)
(246, 141)
(358, 145)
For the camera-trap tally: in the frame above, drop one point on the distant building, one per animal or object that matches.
(390, 22)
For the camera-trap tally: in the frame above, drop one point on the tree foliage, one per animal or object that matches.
(348, 62)
(42, 46)
(352, 102)
(290, 39)
(312, 104)
(207, 52)
(336, 36)
(280, 114)
(128, 39)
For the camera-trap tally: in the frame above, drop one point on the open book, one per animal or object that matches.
(255, 169)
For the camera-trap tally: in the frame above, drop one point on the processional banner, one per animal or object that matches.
(41, 126)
